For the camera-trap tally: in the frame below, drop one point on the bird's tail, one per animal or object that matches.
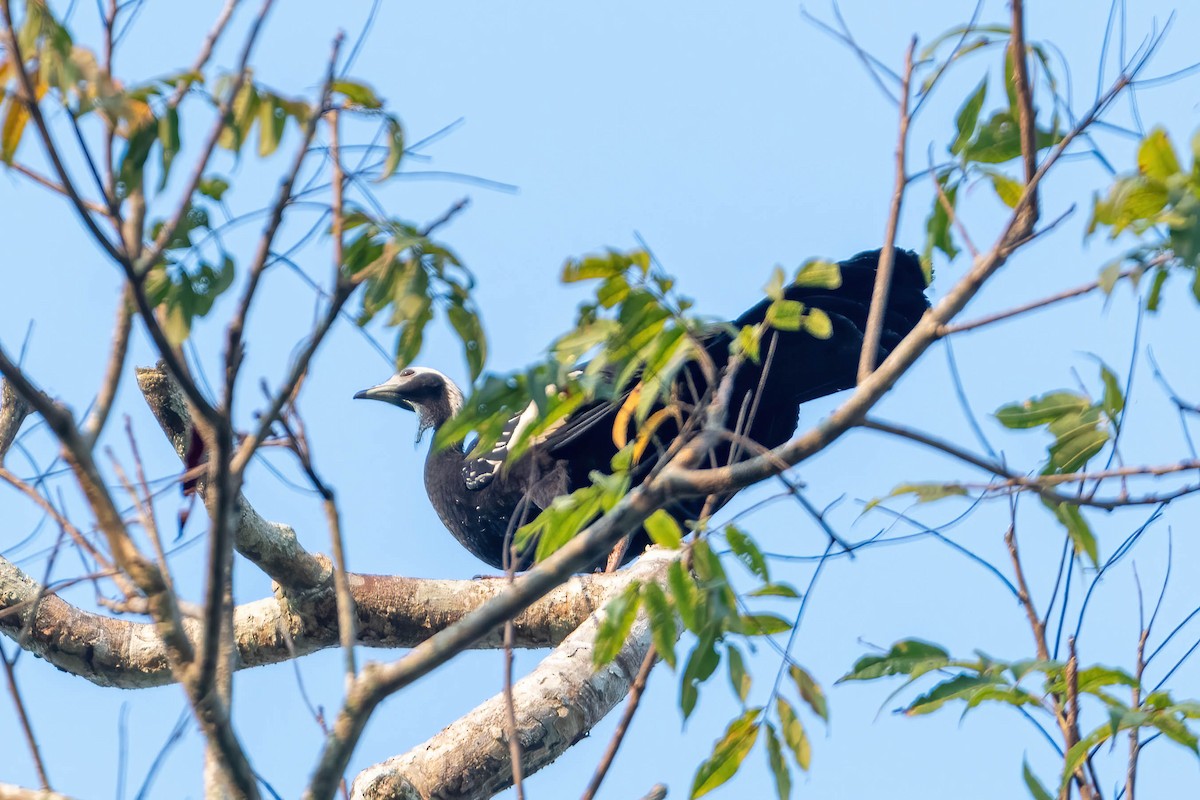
(800, 366)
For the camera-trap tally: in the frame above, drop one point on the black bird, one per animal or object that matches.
(476, 498)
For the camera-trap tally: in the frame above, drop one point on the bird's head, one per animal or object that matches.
(429, 393)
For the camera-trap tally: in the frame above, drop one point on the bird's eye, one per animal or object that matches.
(407, 373)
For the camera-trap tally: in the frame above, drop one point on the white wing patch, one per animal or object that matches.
(479, 472)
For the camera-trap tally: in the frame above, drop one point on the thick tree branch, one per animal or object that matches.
(556, 705)
(13, 411)
(393, 612)
(271, 546)
(11, 792)
(376, 682)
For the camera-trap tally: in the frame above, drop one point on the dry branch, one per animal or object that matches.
(392, 612)
(13, 411)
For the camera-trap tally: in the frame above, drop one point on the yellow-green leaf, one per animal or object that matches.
(663, 529)
(728, 753)
(1156, 156)
(793, 733)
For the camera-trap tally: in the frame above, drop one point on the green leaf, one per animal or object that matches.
(662, 621)
(1036, 789)
(358, 93)
(1092, 679)
(1155, 295)
(819, 274)
(747, 342)
(213, 187)
(168, 144)
(960, 687)
(1078, 530)
(1008, 190)
(774, 287)
(12, 129)
(775, 590)
(1041, 410)
(177, 325)
(663, 529)
(810, 691)
(728, 753)
(700, 666)
(1156, 156)
(747, 551)
(763, 624)
(470, 332)
(785, 315)
(133, 161)
(779, 767)
(603, 266)
(793, 733)
(925, 492)
(999, 140)
(904, 658)
(938, 235)
(818, 324)
(1114, 399)
(1072, 452)
(241, 118)
(738, 677)
(271, 119)
(685, 595)
(395, 148)
(968, 117)
(614, 629)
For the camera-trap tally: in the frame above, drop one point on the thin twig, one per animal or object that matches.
(167, 232)
(1025, 113)
(41, 179)
(27, 94)
(233, 339)
(206, 49)
(887, 255)
(94, 424)
(1066, 294)
(631, 707)
(22, 715)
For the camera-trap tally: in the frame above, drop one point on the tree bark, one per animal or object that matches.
(556, 705)
(392, 612)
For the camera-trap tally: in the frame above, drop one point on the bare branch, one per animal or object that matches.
(94, 424)
(10, 792)
(391, 612)
(1025, 112)
(273, 547)
(887, 255)
(23, 717)
(13, 411)
(1034, 305)
(42, 180)
(206, 49)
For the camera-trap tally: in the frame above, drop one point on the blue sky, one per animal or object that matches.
(732, 138)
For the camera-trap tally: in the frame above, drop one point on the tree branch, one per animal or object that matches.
(887, 255)
(391, 611)
(556, 705)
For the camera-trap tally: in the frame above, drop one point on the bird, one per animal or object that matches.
(481, 498)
